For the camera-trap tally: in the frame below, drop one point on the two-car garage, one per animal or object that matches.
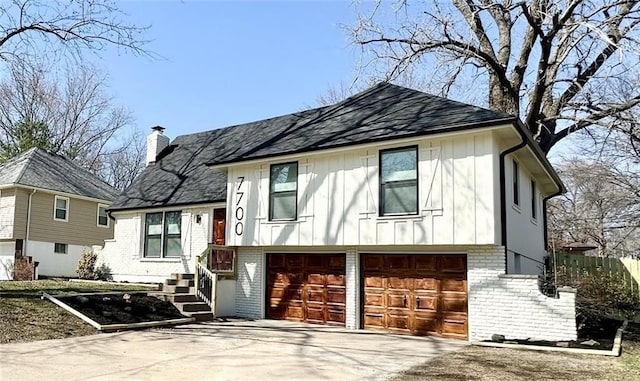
(418, 294)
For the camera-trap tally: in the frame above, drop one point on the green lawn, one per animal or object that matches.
(24, 316)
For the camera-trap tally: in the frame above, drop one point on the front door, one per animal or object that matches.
(219, 226)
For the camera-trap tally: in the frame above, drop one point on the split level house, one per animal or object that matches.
(392, 210)
(51, 210)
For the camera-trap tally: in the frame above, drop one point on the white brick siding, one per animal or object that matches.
(512, 305)
(250, 283)
(124, 254)
(352, 308)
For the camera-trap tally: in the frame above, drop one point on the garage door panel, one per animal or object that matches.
(428, 284)
(335, 280)
(452, 327)
(457, 285)
(420, 294)
(336, 296)
(426, 264)
(337, 263)
(453, 263)
(374, 263)
(374, 281)
(374, 318)
(335, 316)
(395, 263)
(305, 287)
(396, 301)
(426, 324)
(315, 279)
(399, 283)
(397, 322)
(454, 304)
(426, 302)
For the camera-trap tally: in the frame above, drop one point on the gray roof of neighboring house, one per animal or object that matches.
(41, 169)
(384, 112)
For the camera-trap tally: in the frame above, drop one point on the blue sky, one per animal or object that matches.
(230, 62)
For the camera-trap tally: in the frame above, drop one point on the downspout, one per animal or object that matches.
(503, 195)
(26, 238)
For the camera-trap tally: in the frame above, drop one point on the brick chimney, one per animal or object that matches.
(156, 142)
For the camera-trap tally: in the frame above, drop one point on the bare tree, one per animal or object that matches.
(558, 64)
(33, 28)
(602, 206)
(80, 119)
(122, 165)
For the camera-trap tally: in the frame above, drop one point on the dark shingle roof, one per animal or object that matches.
(41, 169)
(383, 112)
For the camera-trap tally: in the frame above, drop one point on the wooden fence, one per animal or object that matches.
(576, 266)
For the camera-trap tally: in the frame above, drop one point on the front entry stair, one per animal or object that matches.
(180, 290)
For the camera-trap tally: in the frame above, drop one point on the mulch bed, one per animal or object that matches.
(122, 308)
(600, 338)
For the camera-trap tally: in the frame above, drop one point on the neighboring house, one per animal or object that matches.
(393, 210)
(51, 210)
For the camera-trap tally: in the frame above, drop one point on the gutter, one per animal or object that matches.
(26, 238)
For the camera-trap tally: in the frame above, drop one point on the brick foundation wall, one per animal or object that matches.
(512, 305)
(250, 283)
(352, 289)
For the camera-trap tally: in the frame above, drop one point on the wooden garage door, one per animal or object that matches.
(416, 294)
(306, 287)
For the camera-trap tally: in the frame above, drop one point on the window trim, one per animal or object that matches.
(65, 245)
(105, 206)
(381, 212)
(515, 183)
(66, 210)
(163, 237)
(534, 200)
(271, 192)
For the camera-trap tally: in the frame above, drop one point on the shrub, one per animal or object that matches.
(87, 269)
(600, 296)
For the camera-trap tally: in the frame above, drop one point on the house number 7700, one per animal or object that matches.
(239, 209)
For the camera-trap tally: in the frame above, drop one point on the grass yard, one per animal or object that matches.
(24, 316)
(481, 363)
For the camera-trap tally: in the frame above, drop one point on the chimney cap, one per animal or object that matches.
(158, 128)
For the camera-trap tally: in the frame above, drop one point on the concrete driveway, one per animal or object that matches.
(234, 350)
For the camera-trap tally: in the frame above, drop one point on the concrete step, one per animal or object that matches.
(183, 276)
(179, 289)
(182, 298)
(180, 282)
(193, 307)
(200, 316)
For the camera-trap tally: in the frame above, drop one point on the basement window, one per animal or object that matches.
(60, 248)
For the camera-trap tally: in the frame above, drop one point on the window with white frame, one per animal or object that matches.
(162, 234)
(60, 248)
(103, 219)
(516, 184)
(534, 201)
(61, 208)
(399, 181)
(283, 192)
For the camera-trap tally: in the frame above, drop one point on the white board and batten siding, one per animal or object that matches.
(525, 235)
(338, 197)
